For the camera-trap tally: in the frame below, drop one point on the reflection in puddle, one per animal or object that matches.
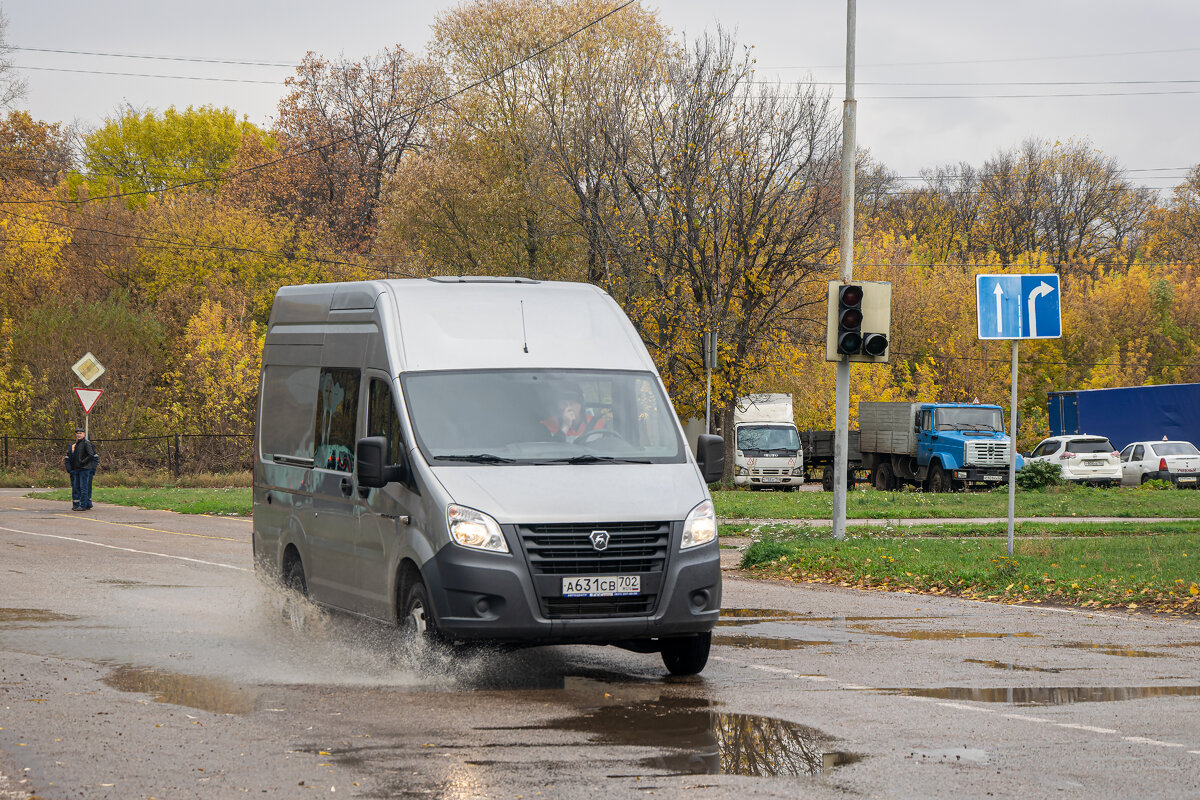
(1010, 667)
(769, 643)
(706, 741)
(941, 635)
(15, 616)
(1116, 650)
(206, 694)
(1050, 695)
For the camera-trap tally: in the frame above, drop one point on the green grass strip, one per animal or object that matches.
(1156, 571)
(225, 502)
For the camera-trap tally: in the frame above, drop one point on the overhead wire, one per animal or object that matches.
(338, 140)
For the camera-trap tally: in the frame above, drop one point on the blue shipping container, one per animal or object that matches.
(1128, 414)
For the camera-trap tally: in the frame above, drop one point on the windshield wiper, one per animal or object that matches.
(588, 458)
(479, 458)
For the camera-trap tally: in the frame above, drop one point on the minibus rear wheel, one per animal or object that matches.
(686, 655)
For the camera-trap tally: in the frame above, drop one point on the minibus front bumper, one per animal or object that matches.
(519, 598)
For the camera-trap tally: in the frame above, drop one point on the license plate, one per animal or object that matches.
(993, 477)
(602, 586)
(771, 480)
(1095, 463)
(1188, 480)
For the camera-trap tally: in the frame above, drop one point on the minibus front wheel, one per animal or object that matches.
(686, 655)
(417, 622)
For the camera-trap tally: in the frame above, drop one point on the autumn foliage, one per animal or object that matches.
(530, 142)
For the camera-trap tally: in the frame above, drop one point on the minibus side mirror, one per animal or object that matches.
(710, 457)
(371, 464)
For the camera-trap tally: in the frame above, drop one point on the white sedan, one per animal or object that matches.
(1083, 458)
(1177, 462)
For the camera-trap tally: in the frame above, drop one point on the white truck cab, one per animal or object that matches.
(767, 451)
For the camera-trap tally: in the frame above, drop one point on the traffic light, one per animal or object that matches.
(858, 321)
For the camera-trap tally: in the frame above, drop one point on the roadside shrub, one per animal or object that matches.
(1156, 484)
(1036, 475)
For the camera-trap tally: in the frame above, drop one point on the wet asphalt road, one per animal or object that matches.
(139, 657)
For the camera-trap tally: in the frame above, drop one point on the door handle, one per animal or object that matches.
(347, 486)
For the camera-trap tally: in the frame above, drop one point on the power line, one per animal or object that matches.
(148, 75)
(339, 140)
(1007, 60)
(190, 59)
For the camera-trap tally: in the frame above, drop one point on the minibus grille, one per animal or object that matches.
(559, 550)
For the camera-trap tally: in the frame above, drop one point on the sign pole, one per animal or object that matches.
(1012, 450)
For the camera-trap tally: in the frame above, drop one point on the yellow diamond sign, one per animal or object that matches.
(88, 369)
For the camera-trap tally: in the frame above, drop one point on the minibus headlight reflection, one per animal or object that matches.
(700, 527)
(474, 529)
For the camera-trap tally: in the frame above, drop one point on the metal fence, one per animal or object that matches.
(179, 453)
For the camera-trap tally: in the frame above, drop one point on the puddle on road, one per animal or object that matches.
(1049, 695)
(206, 694)
(16, 617)
(756, 616)
(1116, 650)
(706, 741)
(1010, 667)
(941, 635)
(770, 643)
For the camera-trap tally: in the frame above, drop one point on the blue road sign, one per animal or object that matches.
(1018, 306)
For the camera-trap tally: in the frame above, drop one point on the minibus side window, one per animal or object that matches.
(337, 414)
(382, 419)
(289, 394)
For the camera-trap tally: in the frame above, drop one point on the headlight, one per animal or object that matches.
(474, 529)
(798, 471)
(739, 470)
(700, 527)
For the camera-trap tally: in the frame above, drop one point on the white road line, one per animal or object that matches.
(126, 549)
(957, 706)
(1091, 728)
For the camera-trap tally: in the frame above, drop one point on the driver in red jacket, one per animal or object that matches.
(570, 420)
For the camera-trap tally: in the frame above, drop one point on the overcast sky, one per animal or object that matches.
(939, 81)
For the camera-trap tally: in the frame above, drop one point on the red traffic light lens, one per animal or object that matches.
(851, 295)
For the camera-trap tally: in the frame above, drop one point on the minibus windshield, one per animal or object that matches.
(505, 417)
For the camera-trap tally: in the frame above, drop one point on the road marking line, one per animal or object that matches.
(961, 707)
(126, 549)
(1091, 728)
(956, 706)
(144, 528)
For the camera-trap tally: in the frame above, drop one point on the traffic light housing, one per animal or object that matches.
(858, 321)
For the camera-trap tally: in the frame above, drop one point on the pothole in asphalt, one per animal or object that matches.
(702, 740)
(770, 642)
(206, 694)
(1011, 667)
(1116, 650)
(17, 616)
(1049, 695)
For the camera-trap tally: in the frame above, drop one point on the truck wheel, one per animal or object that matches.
(884, 481)
(939, 479)
(296, 606)
(827, 479)
(686, 655)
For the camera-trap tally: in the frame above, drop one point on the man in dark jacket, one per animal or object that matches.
(81, 461)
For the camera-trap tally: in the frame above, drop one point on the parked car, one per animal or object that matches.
(1177, 462)
(1083, 458)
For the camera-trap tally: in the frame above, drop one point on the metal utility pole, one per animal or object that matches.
(841, 424)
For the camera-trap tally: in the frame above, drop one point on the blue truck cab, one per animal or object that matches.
(940, 445)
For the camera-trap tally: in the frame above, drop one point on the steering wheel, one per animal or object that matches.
(597, 434)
